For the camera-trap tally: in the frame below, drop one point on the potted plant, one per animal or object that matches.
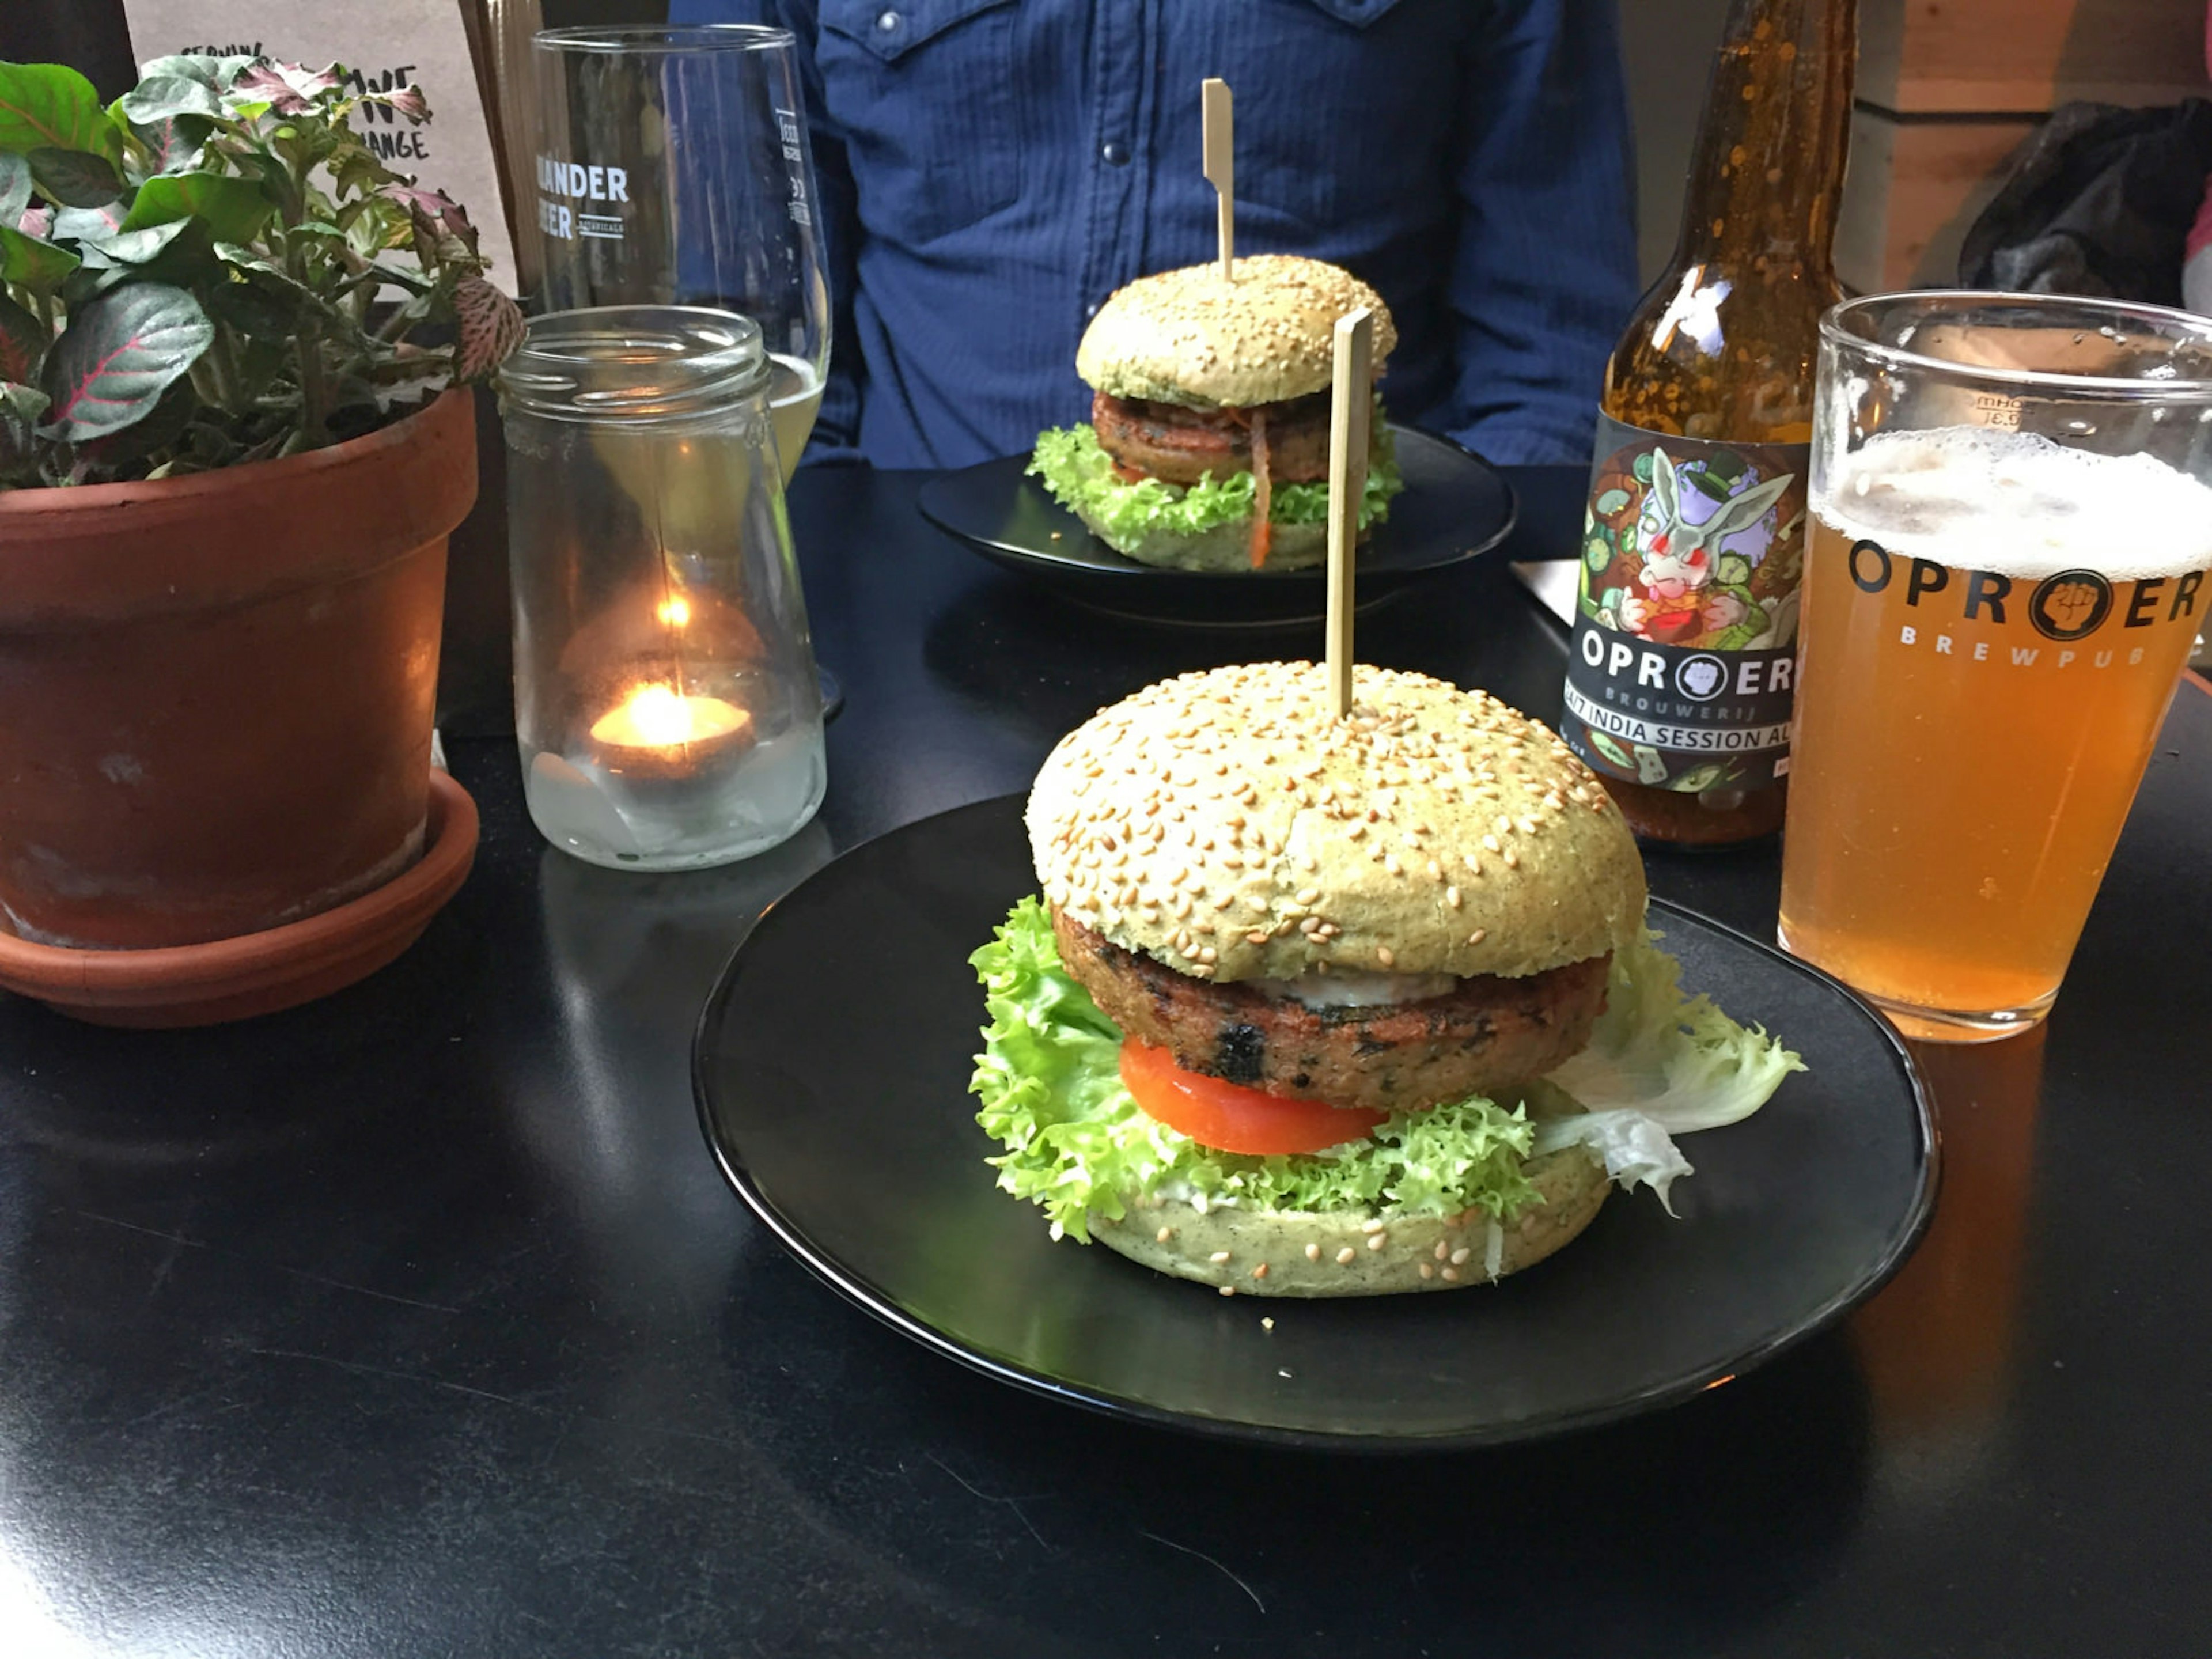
(229, 460)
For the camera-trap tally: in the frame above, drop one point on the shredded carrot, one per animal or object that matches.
(1263, 494)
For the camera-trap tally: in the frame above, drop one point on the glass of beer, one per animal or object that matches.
(2011, 498)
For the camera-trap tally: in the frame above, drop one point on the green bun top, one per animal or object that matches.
(1229, 824)
(1186, 336)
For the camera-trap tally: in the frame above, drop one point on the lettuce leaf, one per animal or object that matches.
(1661, 1065)
(1679, 1060)
(1636, 1151)
(1080, 477)
(1049, 1081)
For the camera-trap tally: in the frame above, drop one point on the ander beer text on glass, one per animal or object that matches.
(1680, 677)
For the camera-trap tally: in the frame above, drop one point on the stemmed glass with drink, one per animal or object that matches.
(2012, 506)
(674, 168)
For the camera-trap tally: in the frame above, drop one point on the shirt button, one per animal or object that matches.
(887, 22)
(1116, 153)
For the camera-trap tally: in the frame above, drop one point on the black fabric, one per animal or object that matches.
(2099, 202)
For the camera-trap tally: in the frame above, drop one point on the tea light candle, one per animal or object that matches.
(659, 733)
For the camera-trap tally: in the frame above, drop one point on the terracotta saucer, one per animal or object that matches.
(256, 973)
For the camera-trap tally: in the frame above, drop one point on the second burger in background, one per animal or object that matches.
(1208, 443)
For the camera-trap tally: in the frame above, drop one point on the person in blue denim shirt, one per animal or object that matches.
(991, 170)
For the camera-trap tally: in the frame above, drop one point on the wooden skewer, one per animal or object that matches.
(1221, 167)
(1352, 399)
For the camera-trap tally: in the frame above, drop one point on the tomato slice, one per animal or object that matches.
(1231, 1118)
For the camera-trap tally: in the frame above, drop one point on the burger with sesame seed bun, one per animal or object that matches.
(1208, 443)
(1323, 1006)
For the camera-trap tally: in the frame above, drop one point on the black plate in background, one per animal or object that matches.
(1455, 506)
(832, 1064)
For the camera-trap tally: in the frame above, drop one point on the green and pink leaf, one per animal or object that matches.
(232, 209)
(75, 178)
(51, 105)
(29, 261)
(119, 353)
(23, 342)
(490, 328)
(14, 186)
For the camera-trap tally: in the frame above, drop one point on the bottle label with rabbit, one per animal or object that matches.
(1685, 630)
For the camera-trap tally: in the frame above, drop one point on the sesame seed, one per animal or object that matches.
(1390, 863)
(1491, 843)
(1452, 1275)
(1451, 897)
(1427, 1272)
(1219, 1256)
(1345, 1256)
(1260, 1272)
(1443, 1249)
(1267, 1324)
(1478, 936)
(1511, 862)
(1229, 1289)
(1308, 895)
(1165, 1234)
(1460, 1255)
(1377, 1241)
(1371, 1225)
(1313, 1252)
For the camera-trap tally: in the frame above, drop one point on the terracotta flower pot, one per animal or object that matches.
(216, 691)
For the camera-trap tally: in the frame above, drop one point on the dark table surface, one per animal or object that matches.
(419, 1323)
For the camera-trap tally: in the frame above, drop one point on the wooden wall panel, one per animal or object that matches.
(2017, 56)
(1913, 189)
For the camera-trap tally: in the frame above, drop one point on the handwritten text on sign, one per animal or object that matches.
(452, 153)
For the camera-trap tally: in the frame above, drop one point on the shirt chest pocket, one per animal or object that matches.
(924, 92)
(1342, 79)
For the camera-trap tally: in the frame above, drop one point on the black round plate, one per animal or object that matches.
(832, 1065)
(1455, 506)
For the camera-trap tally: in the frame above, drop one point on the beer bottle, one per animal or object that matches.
(1679, 680)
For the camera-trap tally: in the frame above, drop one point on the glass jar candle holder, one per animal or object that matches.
(665, 699)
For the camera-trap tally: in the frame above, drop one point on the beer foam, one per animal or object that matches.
(2016, 504)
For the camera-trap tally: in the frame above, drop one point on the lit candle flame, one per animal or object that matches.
(661, 717)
